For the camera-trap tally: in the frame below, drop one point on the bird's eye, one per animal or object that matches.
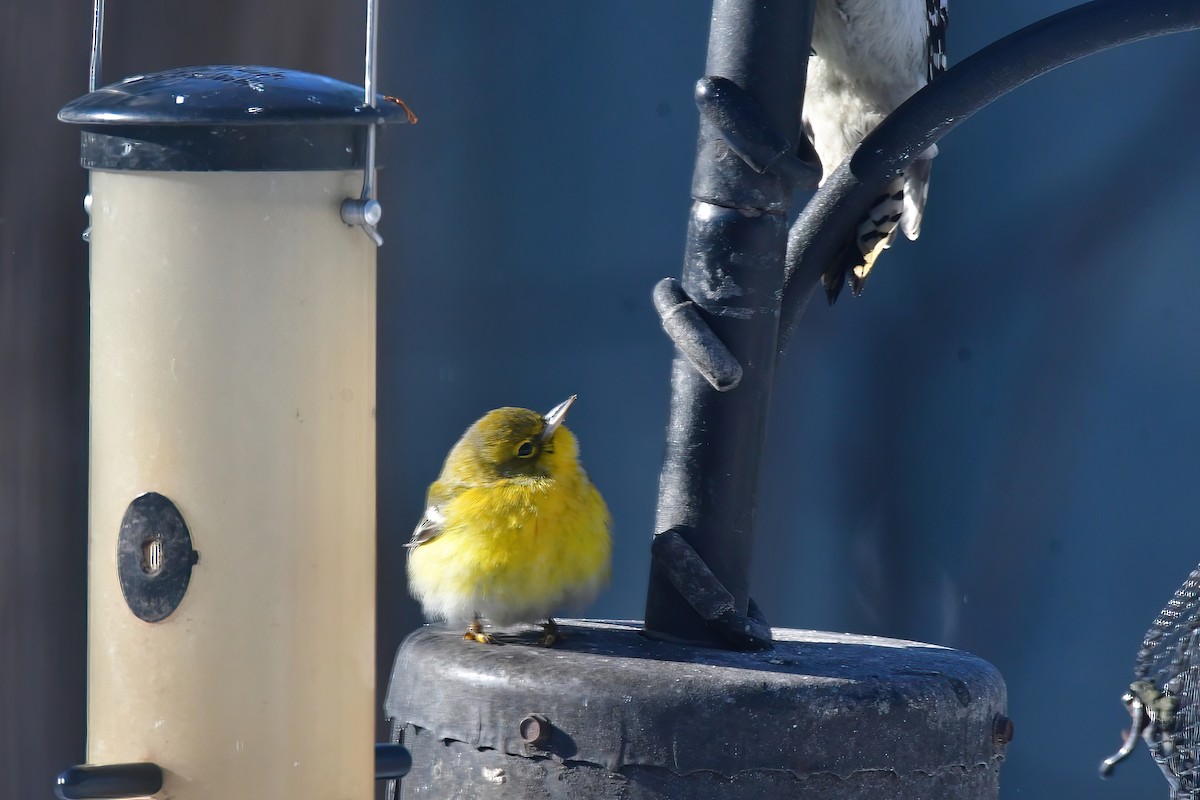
(525, 450)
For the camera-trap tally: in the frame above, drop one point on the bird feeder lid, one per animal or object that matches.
(223, 117)
(229, 95)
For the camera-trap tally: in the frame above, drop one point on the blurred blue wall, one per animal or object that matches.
(993, 449)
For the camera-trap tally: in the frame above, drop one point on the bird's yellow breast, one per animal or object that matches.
(516, 549)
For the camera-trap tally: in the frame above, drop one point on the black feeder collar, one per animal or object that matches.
(228, 118)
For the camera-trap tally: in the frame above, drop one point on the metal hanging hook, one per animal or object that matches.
(365, 211)
(97, 44)
(93, 79)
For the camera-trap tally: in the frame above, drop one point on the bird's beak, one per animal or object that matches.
(554, 418)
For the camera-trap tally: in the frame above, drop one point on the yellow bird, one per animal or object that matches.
(514, 530)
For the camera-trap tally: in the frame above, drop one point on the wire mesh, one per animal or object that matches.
(1164, 698)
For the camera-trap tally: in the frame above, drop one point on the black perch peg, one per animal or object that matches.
(108, 781)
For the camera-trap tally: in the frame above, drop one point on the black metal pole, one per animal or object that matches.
(945, 103)
(733, 274)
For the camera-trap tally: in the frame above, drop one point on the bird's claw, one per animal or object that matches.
(476, 633)
(550, 634)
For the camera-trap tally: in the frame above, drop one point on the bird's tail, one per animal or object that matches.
(901, 206)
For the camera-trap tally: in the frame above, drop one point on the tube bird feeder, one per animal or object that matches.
(231, 602)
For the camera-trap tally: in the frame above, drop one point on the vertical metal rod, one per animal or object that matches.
(97, 44)
(365, 211)
(369, 93)
(368, 193)
(372, 52)
(733, 271)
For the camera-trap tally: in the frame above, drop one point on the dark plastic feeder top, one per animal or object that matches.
(241, 118)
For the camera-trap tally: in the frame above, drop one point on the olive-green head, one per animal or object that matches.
(511, 442)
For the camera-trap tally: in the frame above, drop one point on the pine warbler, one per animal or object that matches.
(513, 530)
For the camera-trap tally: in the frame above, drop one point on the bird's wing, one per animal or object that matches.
(428, 529)
(433, 520)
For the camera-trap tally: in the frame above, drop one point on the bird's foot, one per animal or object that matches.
(550, 634)
(476, 633)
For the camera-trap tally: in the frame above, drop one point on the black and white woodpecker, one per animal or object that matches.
(868, 57)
